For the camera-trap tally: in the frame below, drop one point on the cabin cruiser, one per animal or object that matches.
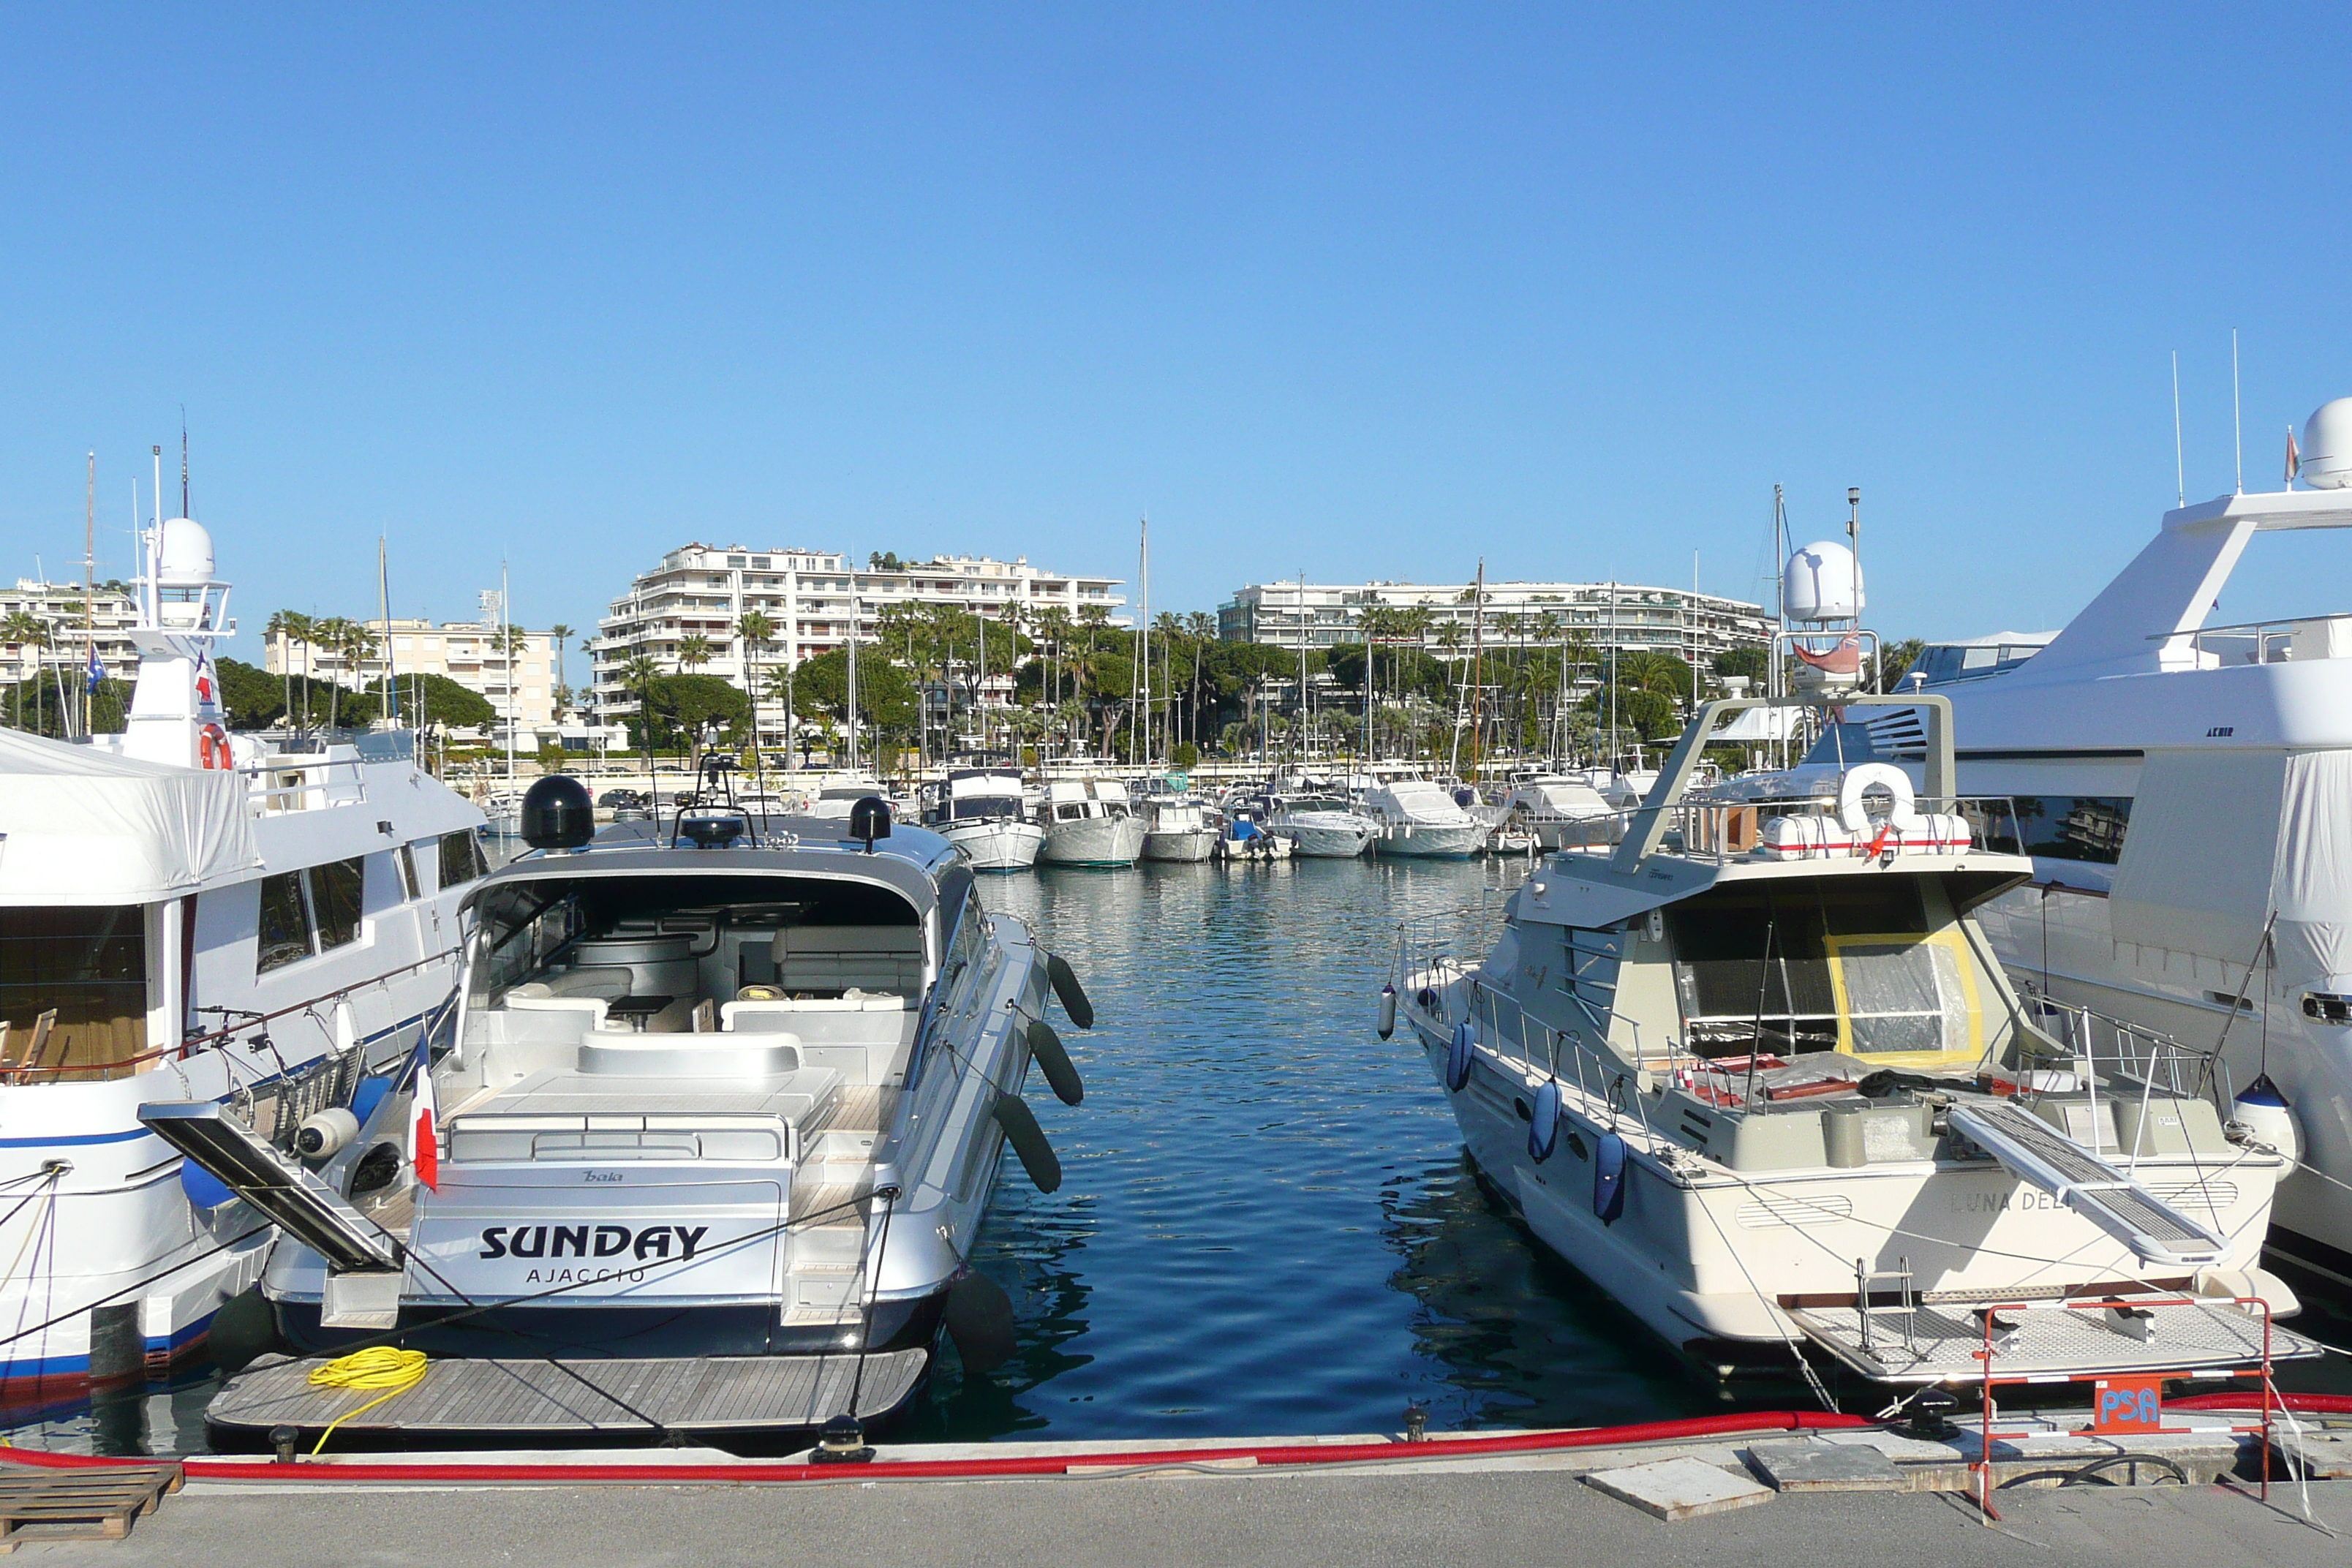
(1754, 1072)
(2180, 788)
(263, 923)
(1417, 818)
(1561, 810)
(1322, 826)
(983, 813)
(1177, 827)
(1088, 821)
(713, 1128)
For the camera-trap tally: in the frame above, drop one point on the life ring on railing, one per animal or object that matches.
(212, 748)
(1854, 791)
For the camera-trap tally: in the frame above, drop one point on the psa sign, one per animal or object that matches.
(2128, 1405)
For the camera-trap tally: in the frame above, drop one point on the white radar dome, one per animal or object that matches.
(1822, 581)
(185, 557)
(2327, 447)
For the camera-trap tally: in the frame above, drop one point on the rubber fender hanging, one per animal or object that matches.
(980, 1320)
(1543, 1127)
(1388, 1012)
(1028, 1141)
(204, 1189)
(1046, 1049)
(1073, 996)
(1609, 1178)
(245, 1328)
(1458, 1055)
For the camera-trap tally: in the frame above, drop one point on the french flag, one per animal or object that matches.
(424, 1135)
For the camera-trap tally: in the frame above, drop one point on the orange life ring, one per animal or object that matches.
(212, 748)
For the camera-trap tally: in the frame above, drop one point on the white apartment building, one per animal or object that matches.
(64, 610)
(1628, 616)
(705, 590)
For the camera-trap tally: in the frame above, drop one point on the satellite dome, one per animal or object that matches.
(1822, 581)
(185, 558)
(2327, 447)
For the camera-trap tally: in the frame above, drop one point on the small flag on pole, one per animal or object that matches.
(97, 671)
(423, 1136)
(2293, 458)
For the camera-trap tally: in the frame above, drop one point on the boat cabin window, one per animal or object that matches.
(285, 928)
(404, 866)
(979, 808)
(461, 858)
(2053, 826)
(85, 965)
(335, 900)
(1068, 812)
(308, 911)
(1855, 968)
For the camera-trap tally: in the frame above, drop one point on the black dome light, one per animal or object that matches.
(869, 819)
(557, 814)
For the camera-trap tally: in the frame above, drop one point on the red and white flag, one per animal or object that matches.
(424, 1135)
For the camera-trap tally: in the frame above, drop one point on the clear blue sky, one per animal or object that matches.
(1356, 291)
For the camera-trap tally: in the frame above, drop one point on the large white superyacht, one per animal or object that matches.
(191, 913)
(2182, 789)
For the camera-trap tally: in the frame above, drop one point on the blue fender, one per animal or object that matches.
(205, 1190)
(1543, 1127)
(1457, 1055)
(1609, 1178)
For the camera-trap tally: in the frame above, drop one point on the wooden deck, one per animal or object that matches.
(532, 1399)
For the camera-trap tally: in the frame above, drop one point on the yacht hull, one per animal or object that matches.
(1094, 841)
(1188, 846)
(1444, 842)
(1336, 843)
(1001, 846)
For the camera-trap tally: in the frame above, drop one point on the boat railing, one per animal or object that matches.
(1718, 832)
(2295, 639)
(2112, 1058)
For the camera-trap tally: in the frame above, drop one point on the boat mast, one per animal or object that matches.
(851, 561)
(387, 684)
(506, 640)
(90, 595)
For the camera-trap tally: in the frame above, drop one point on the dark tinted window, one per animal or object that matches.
(461, 858)
(87, 963)
(285, 929)
(335, 900)
(2057, 826)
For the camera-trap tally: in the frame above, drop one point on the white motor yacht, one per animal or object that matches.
(263, 923)
(2182, 789)
(1418, 818)
(983, 813)
(1562, 811)
(713, 1132)
(1322, 826)
(1177, 827)
(1756, 1073)
(1088, 821)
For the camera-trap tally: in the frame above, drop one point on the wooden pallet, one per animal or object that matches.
(79, 1505)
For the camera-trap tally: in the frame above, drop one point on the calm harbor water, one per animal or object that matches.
(1266, 1224)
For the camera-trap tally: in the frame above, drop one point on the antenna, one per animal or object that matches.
(183, 459)
(2179, 472)
(2237, 412)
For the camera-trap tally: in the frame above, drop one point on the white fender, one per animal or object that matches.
(1854, 816)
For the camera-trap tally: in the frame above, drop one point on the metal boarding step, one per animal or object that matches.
(2039, 1153)
(535, 1400)
(1936, 1342)
(302, 1205)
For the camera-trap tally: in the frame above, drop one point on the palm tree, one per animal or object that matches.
(642, 672)
(693, 650)
(757, 631)
(22, 629)
(558, 634)
(358, 644)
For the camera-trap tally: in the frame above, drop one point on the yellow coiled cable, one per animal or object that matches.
(378, 1367)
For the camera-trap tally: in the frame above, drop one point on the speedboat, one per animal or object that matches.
(1754, 1072)
(983, 812)
(1418, 818)
(1088, 821)
(186, 912)
(708, 1139)
(1177, 827)
(2180, 788)
(1322, 826)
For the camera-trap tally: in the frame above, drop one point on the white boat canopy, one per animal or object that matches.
(79, 825)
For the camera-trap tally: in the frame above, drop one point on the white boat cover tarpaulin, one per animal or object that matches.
(2222, 841)
(84, 826)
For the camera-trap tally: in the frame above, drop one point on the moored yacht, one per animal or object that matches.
(710, 1139)
(263, 923)
(1088, 821)
(1754, 1072)
(1177, 827)
(1561, 810)
(1418, 818)
(1321, 827)
(983, 813)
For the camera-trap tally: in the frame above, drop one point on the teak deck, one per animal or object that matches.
(536, 1400)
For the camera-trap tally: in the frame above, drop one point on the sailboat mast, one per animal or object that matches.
(506, 640)
(851, 561)
(89, 595)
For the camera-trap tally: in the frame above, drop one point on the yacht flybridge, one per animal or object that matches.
(1754, 1072)
(260, 922)
(717, 1116)
(2181, 788)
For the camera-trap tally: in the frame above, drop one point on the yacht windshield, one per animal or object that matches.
(1857, 969)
